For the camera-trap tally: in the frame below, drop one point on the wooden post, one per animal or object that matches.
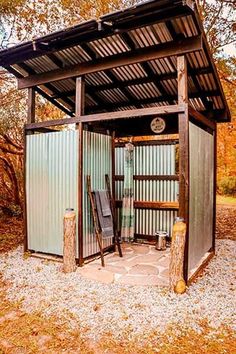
(31, 106)
(79, 111)
(69, 251)
(177, 253)
(30, 120)
(183, 152)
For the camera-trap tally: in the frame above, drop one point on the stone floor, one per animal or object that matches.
(140, 265)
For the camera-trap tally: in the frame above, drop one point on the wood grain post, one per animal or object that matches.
(69, 245)
(31, 106)
(177, 253)
(79, 111)
(183, 152)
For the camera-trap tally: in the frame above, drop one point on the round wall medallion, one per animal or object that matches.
(158, 125)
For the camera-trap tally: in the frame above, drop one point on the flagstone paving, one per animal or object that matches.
(140, 265)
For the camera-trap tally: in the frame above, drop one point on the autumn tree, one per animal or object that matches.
(220, 26)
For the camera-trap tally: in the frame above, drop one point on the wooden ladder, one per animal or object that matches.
(98, 231)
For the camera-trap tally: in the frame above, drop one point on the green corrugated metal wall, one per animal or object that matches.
(51, 187)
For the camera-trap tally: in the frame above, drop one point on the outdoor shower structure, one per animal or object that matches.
(116, 77)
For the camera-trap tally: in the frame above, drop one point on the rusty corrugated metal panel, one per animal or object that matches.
(51, 187)
(97, 163)
(201, 192)
(150, 160)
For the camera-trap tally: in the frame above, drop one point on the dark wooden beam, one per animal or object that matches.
(139, 81)
(49, 86)
(149, 100)
(145, 66)
(79, 111)
(151, 205)
(42, 93)
(133, 113)
(109, 116)
(150, 178)
(140, 55)
(31, 106)
(183, 152)
(199, 117)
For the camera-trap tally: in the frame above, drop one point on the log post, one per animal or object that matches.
(183, 122)
(177, 253)
(69, 250)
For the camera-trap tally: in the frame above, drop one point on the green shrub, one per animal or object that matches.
(227, 185)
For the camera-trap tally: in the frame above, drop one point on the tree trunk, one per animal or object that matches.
(69, 264)
(177, 253)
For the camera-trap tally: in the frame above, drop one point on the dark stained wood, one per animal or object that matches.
(186, 45)
(31, 106)
(132, 82)
(152, 205)
(42, 93)
(150, 178)
(104, 107)
(97, 229)
(113, 164)
(151, 142)
(79, 109)
(183, 153)
(199, 117)
(108, 116)
(133, 113)
(148, 139)
(113, 213)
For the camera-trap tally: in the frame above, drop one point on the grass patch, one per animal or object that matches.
(221, 199)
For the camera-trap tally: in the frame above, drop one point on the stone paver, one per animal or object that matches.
(143, 269)
(140, 265)
(119, 269)
(150, 258)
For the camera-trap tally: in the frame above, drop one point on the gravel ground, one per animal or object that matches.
(120, 310)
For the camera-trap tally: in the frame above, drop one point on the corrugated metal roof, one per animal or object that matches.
(138, 85)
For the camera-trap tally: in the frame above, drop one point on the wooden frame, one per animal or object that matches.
(79, 110)
(141, 112)
(184, 153)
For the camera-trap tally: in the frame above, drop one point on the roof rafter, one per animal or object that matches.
(136, 56)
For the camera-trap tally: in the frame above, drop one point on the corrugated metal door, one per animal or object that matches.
(51, 187)
(150, 160)
(201, 193)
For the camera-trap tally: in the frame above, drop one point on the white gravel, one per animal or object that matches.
(119, 309)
